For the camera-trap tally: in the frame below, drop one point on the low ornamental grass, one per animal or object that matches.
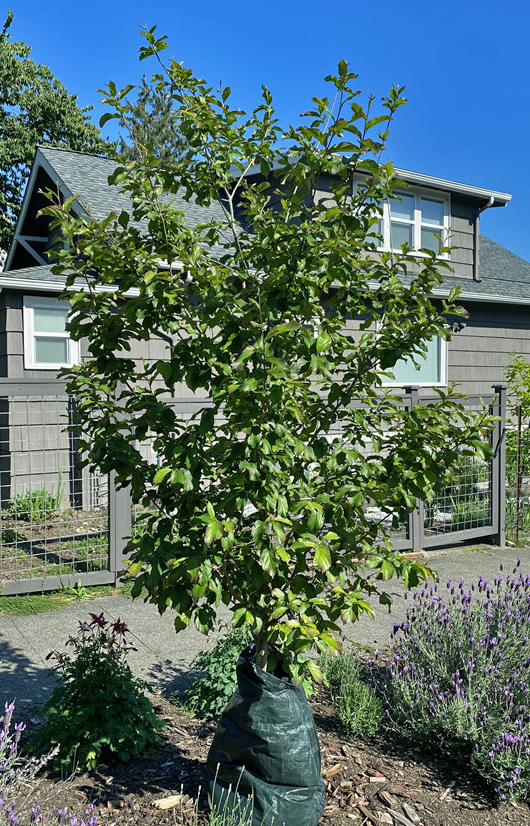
(357, 704)
(460, 677)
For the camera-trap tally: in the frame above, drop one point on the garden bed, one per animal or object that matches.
(69, 541)
(363, 780)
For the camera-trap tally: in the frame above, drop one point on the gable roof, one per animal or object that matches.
(504, 276)
(87, 176)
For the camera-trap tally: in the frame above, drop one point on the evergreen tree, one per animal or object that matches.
(152, 123)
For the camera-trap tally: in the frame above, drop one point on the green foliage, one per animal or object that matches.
(358, 705)
(152, 125)
(253, 505)
(9, 536)
(33, 505)
(518, 377)
(209, 694)
(512, 437)
(78, 592)
(35, 108)
(97, 710)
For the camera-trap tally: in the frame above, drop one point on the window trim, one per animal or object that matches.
(417, 224)
(30, 303)
(443, 371)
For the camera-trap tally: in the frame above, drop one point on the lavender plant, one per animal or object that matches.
(460, 677)
(11, 816)
(9, 740)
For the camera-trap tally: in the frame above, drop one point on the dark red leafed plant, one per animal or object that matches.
(98, 709)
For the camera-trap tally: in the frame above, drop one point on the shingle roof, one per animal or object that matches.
(502, 271)
(503, 274)
(86, 176)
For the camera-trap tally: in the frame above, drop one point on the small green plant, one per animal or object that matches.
(78, 592)
(97, 709)
(472, 513)
(34, 505)
(357, 704)
(8, 536)
(208, 695)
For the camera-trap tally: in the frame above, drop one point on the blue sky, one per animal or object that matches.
(465, 65)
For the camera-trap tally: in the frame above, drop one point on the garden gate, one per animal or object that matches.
(61, 524)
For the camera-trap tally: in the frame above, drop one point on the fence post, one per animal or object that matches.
(120, 516)
(417, 517)
(498, 468)
(120, 525)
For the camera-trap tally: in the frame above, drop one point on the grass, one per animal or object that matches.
(28, 604)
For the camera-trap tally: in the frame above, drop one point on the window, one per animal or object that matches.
(47, 344)
(414, 218)
(432, 367)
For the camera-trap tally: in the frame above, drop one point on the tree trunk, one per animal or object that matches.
(262, 650)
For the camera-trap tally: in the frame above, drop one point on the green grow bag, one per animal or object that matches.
(265, 756)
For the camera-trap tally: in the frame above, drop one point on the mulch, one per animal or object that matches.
(367, 783)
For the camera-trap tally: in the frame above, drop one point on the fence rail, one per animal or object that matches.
(60, 524)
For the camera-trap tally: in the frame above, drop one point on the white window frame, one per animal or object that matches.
(30, 303)
(413, 383)
(416, 222)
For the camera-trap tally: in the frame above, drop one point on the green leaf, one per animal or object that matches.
(282, 328)
(214, 531)
(323, 342)
(160, 475)
(322, 557)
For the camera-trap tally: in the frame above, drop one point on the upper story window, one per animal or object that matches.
(417, 218)
(47, 343)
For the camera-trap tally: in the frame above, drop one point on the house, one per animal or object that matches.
(495, 283)
(34, 343)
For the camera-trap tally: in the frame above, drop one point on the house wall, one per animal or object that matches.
(479, 354)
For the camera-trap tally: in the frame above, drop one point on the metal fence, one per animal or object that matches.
(518, 478)
(56, 518)
(474, 506)
(60, 524)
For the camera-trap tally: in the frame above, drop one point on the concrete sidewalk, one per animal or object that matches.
(163, 657)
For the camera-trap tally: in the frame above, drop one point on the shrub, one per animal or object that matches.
(460, 677)
(97, 709)
(33, 505)
(208, 695)
(357, 704)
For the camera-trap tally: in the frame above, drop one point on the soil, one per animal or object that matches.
(366, 782)
(67, 541)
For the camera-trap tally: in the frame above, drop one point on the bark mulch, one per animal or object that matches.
(367, 783)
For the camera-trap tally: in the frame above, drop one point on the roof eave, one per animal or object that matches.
(499, 198)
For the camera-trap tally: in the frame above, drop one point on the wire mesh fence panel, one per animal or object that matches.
(53, 513)
(465, 503)
(518, 481)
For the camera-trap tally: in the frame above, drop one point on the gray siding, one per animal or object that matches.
(462, 237)
(477, 357)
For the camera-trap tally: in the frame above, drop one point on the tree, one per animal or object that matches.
(152, 125)
(259, 502)
(35, 108)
